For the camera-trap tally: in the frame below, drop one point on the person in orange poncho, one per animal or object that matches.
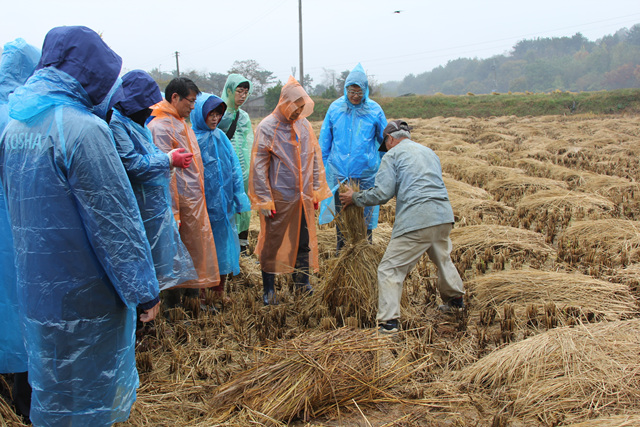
(286, 182)
(173, 135)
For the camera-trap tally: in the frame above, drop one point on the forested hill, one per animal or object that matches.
(539, 65)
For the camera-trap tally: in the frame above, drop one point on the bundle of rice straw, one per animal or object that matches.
(457, 188)
(315, 373)
(471, 211)
(351, 287)
(575, 295)
(607, 242)
(8, 417)
(513, 187)
(626, 420)
(489, 240)
(564, 375)
(558, 200)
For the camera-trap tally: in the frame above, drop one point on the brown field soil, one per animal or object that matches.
(547, 240)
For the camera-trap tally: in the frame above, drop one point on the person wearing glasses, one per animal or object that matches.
(236, 124)
(350, 136)
(170, 131)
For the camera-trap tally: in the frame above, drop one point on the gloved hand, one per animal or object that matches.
(179, 158)
(268, 213)
(316, 205)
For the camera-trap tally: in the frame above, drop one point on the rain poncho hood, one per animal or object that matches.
(224, 189)
(242, 140)
(139, 91)
(349, 139)
(229, 90)
(287, 175)
(171, 131)
(81, 53)
(18, 62)
(83, 262)
(149, 169)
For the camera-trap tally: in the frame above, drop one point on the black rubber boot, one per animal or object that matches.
(269, 288)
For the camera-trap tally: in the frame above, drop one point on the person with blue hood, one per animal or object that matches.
(349, 139)
(236, 124)
(82, 258)
(19, 60)
(223, 185)
(149, 171)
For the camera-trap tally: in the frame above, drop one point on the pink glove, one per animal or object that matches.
(179, 158)
(268, 213)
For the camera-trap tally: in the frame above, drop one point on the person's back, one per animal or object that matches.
(421, 196)
(82, 258)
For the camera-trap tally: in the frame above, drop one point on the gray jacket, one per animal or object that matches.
(413, 174)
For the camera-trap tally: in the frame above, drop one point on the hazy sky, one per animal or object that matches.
(337, 34)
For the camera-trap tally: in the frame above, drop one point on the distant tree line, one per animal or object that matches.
(538, 65)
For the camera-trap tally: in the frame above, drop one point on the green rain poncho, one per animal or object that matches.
(242, 140)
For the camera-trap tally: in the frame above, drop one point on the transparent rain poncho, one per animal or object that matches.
(19, 60)
(349, 139)
(287, 175)
(242, 140)
(171, 131)
(149, 169)
(82, 258)
(223, 186)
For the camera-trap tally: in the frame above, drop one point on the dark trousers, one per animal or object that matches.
(22, 394)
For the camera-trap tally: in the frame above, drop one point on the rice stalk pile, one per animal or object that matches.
(579, 204)
(574, 178)
(316, 373)
(576, 296)
(606, 243)
(625, 420)
(457, 188)
(564, 375)
(8, 416)
(471, 211)
(350, 289)
(480, 245)
(510, 189)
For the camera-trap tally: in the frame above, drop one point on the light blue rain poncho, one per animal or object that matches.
(149, 171)
(82, 258)
(223, 184)
(242, 140)
(19, 60)
(349, 140)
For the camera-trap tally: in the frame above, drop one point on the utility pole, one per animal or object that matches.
(300, 21)
(177, 64)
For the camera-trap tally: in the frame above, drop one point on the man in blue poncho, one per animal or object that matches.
(19, 60)
(223, 184)
(349, 139)
(149, 171)
(83, 262)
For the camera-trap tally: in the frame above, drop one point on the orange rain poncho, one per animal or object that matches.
(171, 131)
(287, 175)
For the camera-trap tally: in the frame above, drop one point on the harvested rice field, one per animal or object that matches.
(547, 241)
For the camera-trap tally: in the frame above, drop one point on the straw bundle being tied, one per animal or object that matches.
(576, 296)
(351, 286)
(316, 373)
(564, 375)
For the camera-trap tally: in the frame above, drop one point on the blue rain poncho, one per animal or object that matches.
(83, 262)
(149, 171)
(223, 187)
(349, 140)
(242, 140)
(19, 60)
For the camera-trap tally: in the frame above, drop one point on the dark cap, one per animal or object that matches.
(392, 126)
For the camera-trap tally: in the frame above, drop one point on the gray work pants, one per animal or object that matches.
(402, 255)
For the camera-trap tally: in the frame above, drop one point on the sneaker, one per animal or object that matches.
(453, 303)
(388, 327)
